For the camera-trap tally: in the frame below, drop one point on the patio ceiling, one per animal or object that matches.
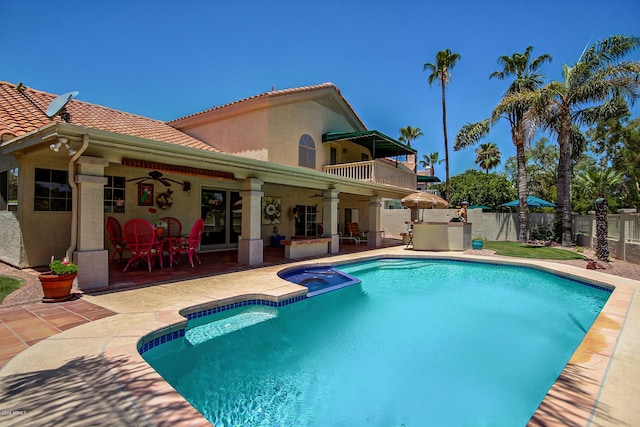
(379, 144)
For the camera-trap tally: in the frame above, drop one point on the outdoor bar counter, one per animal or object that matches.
(441, 236)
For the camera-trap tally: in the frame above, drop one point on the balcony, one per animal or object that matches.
(376, 171)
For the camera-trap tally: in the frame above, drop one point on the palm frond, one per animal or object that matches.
(471, 133)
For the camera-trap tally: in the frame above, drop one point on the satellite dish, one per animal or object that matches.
(58, 104)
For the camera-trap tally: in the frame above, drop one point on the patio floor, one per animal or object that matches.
(23, 326)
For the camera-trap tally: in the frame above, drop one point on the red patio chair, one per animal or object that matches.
(117, 239)
(174, 226)
(188, 245)
(141, 241)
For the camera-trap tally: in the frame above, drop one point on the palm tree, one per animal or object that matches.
(409, 134)
(431, 160)
(596, 182)
(441, 73)
(527, 78)
(596, 88)
(488, 156)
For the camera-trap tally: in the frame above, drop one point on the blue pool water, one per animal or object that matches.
(418, 342)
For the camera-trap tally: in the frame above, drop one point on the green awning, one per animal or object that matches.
(425, 178)
(379, 144)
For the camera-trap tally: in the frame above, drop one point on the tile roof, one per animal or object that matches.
(18, 116)
(276, 93)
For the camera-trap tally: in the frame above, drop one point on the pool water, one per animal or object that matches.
(418, 342)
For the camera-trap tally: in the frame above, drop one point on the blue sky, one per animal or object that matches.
(167, 59)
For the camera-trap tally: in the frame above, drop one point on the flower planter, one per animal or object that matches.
(477, 244)
(56, 288)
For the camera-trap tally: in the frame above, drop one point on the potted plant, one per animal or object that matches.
(477, 243)
(160, 227)
(57, 283)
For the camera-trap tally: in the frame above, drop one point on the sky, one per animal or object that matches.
(168, 59)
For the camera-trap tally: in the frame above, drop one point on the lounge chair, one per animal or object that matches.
(353, 231)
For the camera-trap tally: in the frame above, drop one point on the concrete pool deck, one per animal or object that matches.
(92, 374)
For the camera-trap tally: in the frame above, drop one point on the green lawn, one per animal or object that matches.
(525, 250)
(8, 285)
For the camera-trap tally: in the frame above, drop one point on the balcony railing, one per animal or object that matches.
(375, 171)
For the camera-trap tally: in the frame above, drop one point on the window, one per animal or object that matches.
(9, 190)
(52, 191)
(307, 152)
(114, 194)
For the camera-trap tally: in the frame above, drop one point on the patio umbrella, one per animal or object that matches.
(424, 200)
(483, 207)
(533, 201)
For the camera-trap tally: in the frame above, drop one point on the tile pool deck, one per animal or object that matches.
(92, 374)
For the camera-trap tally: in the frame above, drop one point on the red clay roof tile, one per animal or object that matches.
(18, 116)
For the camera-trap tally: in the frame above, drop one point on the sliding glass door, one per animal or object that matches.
(221, 211)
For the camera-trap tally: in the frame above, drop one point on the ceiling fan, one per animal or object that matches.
(156, 176)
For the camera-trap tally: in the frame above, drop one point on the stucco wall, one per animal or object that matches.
(45, 233)
(288, 122)
(11, 239)
(273, 133)
(243, 135)
(393, 222)
(488, 225)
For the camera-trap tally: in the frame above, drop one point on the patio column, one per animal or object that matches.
(90, 253)
(330, 218)
(374, 236)
(251, 246)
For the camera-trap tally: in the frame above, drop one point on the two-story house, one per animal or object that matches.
(298, 162)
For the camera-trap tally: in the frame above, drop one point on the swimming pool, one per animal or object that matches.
(417, 340)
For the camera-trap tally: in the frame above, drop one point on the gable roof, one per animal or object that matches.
(18, 116)
(273, 94)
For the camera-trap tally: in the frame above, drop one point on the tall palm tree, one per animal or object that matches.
(409, 134)
(527, 78)
(596, 88)
(488, 156)
(431, 160)
(440, 72)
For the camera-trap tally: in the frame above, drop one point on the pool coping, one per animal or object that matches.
(576, 398)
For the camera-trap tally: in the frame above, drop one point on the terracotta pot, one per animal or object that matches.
(56, 288)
